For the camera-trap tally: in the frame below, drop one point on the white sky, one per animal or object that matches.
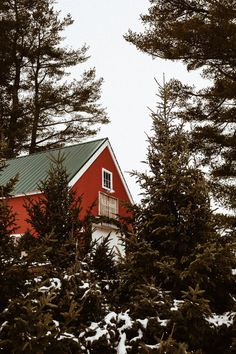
(129, 86)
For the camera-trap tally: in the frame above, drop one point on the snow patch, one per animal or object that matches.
(111, 316)
(220, 320)
(155, 346)
(84, 286)
(99, 333)
(176, 305)
(3, 325)
(55, 284)
(56, 323)
(143, 322)
(68, 335)
(121, 348)
(162, 323)
(123, 316)
(140, 336)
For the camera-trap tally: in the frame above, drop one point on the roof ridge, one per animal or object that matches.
(55, 149)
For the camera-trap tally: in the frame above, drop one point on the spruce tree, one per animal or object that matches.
(192, 263)
(11, 270)
(65, 286)
(202, 34)
(39, 108)
(56, 214)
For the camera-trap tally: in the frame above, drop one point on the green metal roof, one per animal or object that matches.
(34, 168)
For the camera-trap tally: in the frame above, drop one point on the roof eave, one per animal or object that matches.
(103, 146)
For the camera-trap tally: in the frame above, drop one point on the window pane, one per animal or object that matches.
(107, 179)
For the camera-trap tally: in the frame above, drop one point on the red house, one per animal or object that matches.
(93, 172)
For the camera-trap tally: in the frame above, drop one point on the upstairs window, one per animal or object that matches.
(108, 206)
(107, 182)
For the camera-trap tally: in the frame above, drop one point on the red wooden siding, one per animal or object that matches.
(18, 207)
(88, 185)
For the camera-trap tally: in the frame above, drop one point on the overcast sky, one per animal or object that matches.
(129, 87)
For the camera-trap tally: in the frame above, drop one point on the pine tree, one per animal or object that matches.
(56, 215)
(39, 109)
(202, 35)
(62, 291)
(191, 261)
(10, 271)
(5, 58)
(102, 258)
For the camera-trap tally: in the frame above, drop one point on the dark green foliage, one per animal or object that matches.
(58, 209)
(7, 217)
(70, 295)
(191, 324)
(137, 268)
(39, 109)
(102, 258)
(60, 297)
(59, 293)
(202, 34)
(176, 254)
(211, 266)
(56, 215)
(54, 311)
(11, 269)
(171, 32)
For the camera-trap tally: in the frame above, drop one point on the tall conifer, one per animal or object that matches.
(178, 247)
(202, 34)
(10, 271)
(39, 108)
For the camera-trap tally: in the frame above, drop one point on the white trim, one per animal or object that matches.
(106, 144)
(24, 195)
(120, 172)
(77, 176)
(21, 195)
(111, 176)
(87, 165)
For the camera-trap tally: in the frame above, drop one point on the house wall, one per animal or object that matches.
(115, 243)
(88, 185)
(17, 205)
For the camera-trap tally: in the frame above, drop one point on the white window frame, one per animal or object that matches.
(103, 180)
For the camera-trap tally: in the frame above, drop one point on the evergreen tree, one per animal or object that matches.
(202, 34)
(5, 58)
(10, 271)
(56, 215)
(102, 258)
(63, 291)
(184, 253)
(39, 109)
